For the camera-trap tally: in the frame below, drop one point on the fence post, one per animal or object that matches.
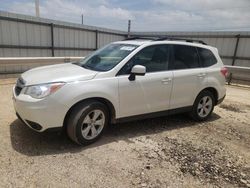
(52, 39)
(96, 39)
(129, 27)
(234, 56)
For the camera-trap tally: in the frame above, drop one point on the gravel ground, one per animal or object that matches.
(171, 151)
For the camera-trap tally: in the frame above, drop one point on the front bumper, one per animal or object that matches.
(40, 114)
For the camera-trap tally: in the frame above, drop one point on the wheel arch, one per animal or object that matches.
(106, 102)
(213, 91)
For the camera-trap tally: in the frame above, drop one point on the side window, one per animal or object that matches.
(206, 57)
(185, 57)
(154, 58)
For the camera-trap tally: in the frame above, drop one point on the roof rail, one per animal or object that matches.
(143, 38)
(165, 38)
(181, 39)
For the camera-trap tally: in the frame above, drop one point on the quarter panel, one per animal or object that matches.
(216, 80)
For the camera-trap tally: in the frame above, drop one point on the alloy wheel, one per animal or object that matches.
(93, 124)
(205, 106)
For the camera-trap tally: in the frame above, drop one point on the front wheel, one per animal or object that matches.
(203, 106)
(87, 122)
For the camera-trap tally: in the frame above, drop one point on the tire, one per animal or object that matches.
(87, 122)
(203, 106)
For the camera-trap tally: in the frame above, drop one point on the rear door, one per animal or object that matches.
(148, 93)
(189, 78)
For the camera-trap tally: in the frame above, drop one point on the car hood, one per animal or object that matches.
(66, 72)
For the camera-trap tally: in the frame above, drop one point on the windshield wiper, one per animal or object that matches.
(86, 67)
(77, 63)
(83, 66)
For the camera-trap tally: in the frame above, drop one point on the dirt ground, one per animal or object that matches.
(171, 151)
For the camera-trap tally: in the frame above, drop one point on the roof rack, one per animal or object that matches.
(181, 39)
(165, 38)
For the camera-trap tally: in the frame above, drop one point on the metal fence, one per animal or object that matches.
(27, 36)
(13, 66)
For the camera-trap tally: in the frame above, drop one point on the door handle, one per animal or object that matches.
(201, 75)
(166, 80)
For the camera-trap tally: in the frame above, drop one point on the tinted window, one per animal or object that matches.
(154, 58)
(207, 57)
(185, 57)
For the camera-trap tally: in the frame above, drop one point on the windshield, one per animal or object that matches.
(107, 57)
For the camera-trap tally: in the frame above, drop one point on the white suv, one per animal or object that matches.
(125, 80)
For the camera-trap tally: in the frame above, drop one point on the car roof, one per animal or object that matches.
(140, 42)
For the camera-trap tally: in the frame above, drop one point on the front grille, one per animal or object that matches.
(19, 86)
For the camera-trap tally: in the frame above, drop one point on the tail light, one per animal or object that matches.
(224, 71)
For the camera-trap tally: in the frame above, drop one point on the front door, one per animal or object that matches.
(148, 93)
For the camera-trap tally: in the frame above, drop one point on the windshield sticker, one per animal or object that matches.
(127, 48)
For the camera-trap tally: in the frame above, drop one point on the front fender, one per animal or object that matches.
(74, 92)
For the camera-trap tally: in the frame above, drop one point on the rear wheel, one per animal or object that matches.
(203, 106)
(87, 122)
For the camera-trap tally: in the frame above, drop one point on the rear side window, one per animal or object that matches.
(185, 57)
(206, 57)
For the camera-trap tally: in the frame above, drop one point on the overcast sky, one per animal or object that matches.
(146, 15)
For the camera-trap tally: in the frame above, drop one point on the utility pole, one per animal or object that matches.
(37, 8)
(82, 19)
(129, 26)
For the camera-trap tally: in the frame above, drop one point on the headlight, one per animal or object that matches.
(43, 90)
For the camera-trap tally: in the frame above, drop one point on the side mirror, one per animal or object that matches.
(138, 70)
